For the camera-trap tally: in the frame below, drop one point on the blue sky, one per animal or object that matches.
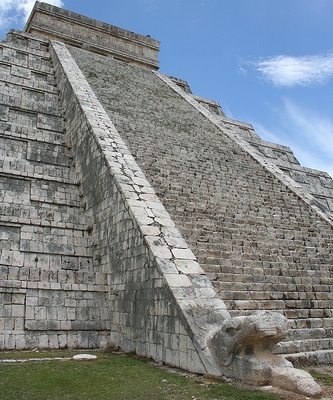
(267, 62)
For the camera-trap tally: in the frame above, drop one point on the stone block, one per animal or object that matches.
(18, 298)
(188, 267)
(18, 324)
(6, 257)
(71, 314)
(183, 254)
(8, 324)
(175, 280)
(161, 252)
(20, 343)
(53, 325)
(13, 273)
(35, 325)
(70, 263)
(3, 272)
(296, 381)
(6, 310)
(9, 341)
(40, 313)
(3, 113)
(53, 341)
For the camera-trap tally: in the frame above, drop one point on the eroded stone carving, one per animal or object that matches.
(254, 335)
(242, 347)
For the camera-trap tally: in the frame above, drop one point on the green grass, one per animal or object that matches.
(325, 379)
(111, 376)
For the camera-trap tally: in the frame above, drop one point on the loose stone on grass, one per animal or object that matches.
(82, 357)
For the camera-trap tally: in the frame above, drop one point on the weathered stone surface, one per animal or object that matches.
(90, 255)
(250, 336)
(45, 245)
(189, 267)
(48, 21)
(296, 380)
(243, 345)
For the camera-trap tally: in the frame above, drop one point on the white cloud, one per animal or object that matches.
(17, 11)
(291, 71)
(307, 133)
(317, 129)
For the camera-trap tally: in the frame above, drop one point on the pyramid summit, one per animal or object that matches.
(80, 31)
(135, 214)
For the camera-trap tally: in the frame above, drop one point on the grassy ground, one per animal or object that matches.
(323, 375)
(111, 376)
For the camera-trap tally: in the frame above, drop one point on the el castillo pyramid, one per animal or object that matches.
(135, 214)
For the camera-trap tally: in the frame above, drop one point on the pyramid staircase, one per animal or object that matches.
(259, 224)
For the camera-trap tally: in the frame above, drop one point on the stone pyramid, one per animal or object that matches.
(135, 214)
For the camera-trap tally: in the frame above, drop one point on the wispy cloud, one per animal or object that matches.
(307, 133)
(291, 71)
(317, 129)
(312, 137)
(17, 11)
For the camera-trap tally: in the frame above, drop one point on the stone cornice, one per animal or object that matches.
(54, 22)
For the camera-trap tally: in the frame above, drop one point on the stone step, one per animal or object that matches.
(29, 99)
(49, 268)
(311, 358)
(38, 190)
(25, 132)
(45, 239)
(34, 170)
(17, 40)
(306, 345)
(38, 64)
(252, 236)
(25, 77)
(44, 214)
(40, 202)
(32, 151)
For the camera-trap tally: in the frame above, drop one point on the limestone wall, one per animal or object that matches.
(261, 244)
(51, 293)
